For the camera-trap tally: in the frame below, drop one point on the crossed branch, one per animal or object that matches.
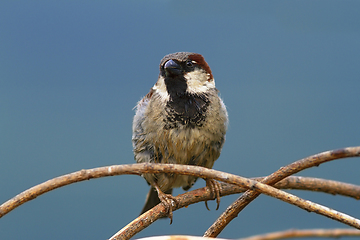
(231, 184)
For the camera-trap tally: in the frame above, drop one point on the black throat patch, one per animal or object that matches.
(184, 108)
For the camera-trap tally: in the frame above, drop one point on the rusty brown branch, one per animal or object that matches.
(197, 195)
(202, 194)
(234, 209)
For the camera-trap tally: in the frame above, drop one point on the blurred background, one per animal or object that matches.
(72, 71)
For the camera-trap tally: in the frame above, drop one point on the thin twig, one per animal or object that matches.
(291, 182)
(319, 185)
(234, 209)
(294, 233)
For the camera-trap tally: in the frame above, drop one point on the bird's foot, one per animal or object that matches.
(215, 188)
(168, 201)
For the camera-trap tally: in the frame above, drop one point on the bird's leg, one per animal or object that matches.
(214, 187)
(167, 200)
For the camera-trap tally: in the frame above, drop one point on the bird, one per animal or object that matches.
(182, 120)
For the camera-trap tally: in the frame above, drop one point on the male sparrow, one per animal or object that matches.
(181, 120)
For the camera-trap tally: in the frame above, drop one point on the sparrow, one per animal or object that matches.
(182, 120)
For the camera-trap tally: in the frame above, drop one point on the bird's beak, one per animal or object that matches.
(172, 68)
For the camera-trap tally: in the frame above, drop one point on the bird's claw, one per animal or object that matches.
(214, 187)
(168, 201)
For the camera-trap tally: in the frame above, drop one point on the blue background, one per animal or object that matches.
(72, 71)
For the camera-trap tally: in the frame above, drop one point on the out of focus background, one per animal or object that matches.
(72, 71)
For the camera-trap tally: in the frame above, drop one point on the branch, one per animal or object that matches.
(203, 194)
(319, 185)
(138, 169)
(159, 211)
(291, 182)
(234, 209)
(188, 198)
(191, 197)
(294, 233)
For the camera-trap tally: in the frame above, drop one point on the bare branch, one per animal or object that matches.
(319, 185)
(294, 233)
(201, 194)
(304, 204)
(234, 209)
(188, 198)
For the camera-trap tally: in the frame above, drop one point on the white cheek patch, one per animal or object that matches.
(198, 82)
(160, 88)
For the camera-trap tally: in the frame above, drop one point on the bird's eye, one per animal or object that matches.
(189, 64)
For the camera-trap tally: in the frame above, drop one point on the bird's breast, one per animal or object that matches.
(187, 110)
(192, 146)
(185, 130)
